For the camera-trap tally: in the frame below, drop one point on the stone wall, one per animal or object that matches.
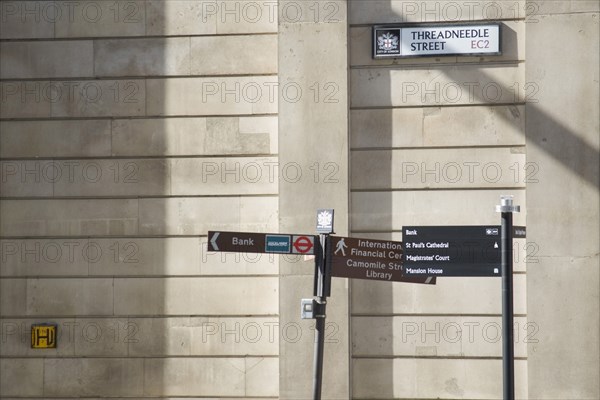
(129, 129)
(435, 141)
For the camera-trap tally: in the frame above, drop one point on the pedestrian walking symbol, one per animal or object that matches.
(340, 246)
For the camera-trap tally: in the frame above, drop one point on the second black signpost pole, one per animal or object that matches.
(320, 314)
(506, 208)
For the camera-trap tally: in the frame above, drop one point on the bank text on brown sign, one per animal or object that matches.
(251, 242)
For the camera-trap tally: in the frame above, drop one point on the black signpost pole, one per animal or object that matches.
(321, 302)
(506, 208)
(322, 290)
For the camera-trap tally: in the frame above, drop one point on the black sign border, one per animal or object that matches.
(375, 28)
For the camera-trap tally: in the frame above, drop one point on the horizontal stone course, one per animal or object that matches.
(439, 168)
(133, 217)
(437, 336)
(384, 211)
(450, 295)
(175, 256)
(438, 127)
(437, 86)
(397, 11)
(237, 296)
(123, 18)
(427, 379)
(148, 337)
(46, 139)
(44, 59)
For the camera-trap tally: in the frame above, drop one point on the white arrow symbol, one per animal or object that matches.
(496, 245)
(213, 241)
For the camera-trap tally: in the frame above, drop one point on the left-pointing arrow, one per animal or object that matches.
(213, 241)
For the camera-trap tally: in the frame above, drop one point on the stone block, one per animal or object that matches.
(202, 376)
(46, 257)
(438, 168)
(397, 11)
(21, 99)
(438, 127)
(224, 176)
(436, 336)
(84, 178)
(195, 136)
(259, 135)
(46, 139)
(27, 178)
(258, 336)
(574, 281)
(195, 296)
(166, 336)
(539, 9)
(100, 98)
(46, 99)
(101, 19)
(181, 17)
(212, 377)
(319, 14)
(13, 297)
(103, 337)
(21, 377)
(246, 16)
(146, 257)
(112, 178)
(69, 217)
(373, 211)
(448, 296)
(211, 96)
(221, 263)
(434, 378)
(27, 19)
(140, 57)
(196, 216)
(46, 59)
(444, 85)
(102, 377)
(262, 376)
(234, 55)
(69, 297)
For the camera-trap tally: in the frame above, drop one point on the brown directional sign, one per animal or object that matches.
(369, 259)
(251, 242)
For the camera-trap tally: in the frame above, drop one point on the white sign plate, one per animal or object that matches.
(436, 40)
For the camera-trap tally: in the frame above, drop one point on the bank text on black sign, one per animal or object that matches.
(451, 250)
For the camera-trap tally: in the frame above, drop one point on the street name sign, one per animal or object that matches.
(452, 250)
(251, 242)
(369, 259)
(422, 40)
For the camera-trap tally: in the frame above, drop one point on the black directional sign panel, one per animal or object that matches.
(369, 259)
(451, 250)
(250, 242)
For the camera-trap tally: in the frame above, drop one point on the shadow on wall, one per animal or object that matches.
(373, 356)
